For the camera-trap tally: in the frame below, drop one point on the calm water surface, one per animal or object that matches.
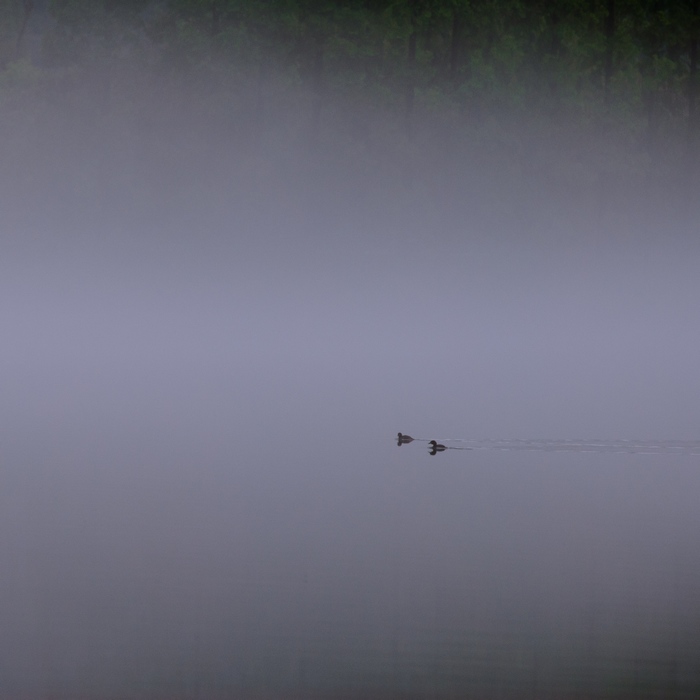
(201, 494)
(186, 557)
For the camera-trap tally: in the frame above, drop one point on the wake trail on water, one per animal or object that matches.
(662, 447)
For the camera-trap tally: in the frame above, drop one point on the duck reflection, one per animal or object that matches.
(436, 447)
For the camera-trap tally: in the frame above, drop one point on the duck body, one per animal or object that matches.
(403, 439)
(436, 447)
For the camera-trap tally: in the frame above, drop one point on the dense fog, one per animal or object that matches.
(211, 335)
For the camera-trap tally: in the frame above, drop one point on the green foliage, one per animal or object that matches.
(87, 30)
(486, 60)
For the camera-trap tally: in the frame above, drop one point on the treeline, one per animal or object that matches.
(613, 83)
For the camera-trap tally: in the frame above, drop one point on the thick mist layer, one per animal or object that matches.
(201, 489)
(223, 289)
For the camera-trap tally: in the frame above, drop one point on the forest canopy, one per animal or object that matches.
(591, 99)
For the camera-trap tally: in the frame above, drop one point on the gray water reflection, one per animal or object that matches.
(201, 494)
(366, 572)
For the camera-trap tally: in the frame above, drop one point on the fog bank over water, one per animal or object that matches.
(213, 332)
(501, 338)
(199, 463)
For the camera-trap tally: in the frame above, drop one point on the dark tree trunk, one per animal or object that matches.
(318, 86)
(693, 77)
(692, 150)
(215, 18)
(411, 76)
(693, 90)
(609, 51)
(456, 44)
(28, 6)
(374, 65)
(257, 127)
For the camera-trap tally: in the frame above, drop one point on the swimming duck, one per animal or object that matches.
(403, 439)
(436, 447)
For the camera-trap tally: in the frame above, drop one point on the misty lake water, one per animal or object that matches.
(243, 245)
(307, 556)
(202, 496)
